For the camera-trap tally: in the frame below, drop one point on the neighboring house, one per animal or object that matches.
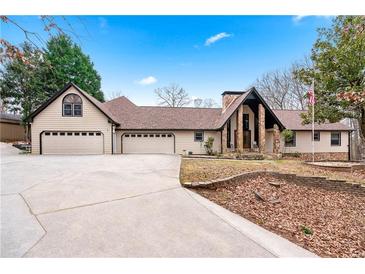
(11, 128)
(73, 122)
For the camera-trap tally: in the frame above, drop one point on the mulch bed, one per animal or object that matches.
(326, 222)
(199, 170)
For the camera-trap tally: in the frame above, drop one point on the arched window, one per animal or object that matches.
(72, 105)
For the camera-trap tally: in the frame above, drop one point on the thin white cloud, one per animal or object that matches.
(103, 23)
(147, 81)
(298, 18)
(217, 37)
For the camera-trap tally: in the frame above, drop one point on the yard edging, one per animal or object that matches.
(314, 181)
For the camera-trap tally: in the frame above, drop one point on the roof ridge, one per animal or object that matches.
(120, 97)
(275, 109)
(178, 107)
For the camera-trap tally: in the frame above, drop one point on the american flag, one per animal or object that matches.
(310, 95)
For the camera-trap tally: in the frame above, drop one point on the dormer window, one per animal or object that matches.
(72, 106)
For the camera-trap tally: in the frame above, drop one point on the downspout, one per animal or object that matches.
(221, 142)
(349, 145)
(112, 133)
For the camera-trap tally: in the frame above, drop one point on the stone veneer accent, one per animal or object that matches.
(261, 128)
(319, 156)
(318, 182)
(276, 140)
(224, 139)
(240, 129)
(227, 99)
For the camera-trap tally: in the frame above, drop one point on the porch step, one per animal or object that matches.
(245, 156)
(252, 156)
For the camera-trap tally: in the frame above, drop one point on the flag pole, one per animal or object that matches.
(313, 122)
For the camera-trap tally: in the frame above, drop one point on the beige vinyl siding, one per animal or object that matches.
(269, 141)
(184, 140)
(118, 134)
(51, 119)
(304, 143)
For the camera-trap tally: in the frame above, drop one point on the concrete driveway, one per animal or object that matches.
(118, 206)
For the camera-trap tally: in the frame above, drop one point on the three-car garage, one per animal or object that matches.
(92, 142)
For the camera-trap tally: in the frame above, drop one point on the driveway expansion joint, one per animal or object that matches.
(107, 201)
(38, 221)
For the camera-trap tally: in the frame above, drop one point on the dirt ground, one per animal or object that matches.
(326, 222)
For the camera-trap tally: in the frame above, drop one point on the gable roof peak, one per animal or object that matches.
(119, 99)
(99, 105)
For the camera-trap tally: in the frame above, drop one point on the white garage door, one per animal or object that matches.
(148, 143)
(76, 142)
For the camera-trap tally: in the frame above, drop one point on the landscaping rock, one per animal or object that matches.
(275, 184)
(258, 196)
(325, 218)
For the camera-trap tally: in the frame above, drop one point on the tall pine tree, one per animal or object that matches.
(67, 63)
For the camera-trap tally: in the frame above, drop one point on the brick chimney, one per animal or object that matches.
(228, 97)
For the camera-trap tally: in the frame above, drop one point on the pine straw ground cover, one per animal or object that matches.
(326, 222)
(197, 170)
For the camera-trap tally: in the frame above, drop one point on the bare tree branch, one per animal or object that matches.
(282, 89)
(114, 94)
(10, 51)
(209, 103)
(172, 96)
(198, 102)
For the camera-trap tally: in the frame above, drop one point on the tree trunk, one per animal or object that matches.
(361, 121)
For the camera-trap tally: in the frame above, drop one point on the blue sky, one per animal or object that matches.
(204, 54)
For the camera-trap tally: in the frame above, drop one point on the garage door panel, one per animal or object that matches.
(148, 143)
(72, 143)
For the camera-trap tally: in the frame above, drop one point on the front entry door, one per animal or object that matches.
(247, 139)
(246, 131)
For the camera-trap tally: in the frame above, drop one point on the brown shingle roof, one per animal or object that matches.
(122, 111)
(131, 116)
(292, 120)
(98, 104)
(10, 116)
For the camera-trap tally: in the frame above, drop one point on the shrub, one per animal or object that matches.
(306, 230)
(287, 134)
(208, 145)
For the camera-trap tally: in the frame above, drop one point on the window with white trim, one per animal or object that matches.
(72, 105)
(317, 136)
(198, 136)
(335, 138)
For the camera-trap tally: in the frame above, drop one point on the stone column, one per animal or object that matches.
(224, 139)
(240, 129)
(276, 140)
(261, 128)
